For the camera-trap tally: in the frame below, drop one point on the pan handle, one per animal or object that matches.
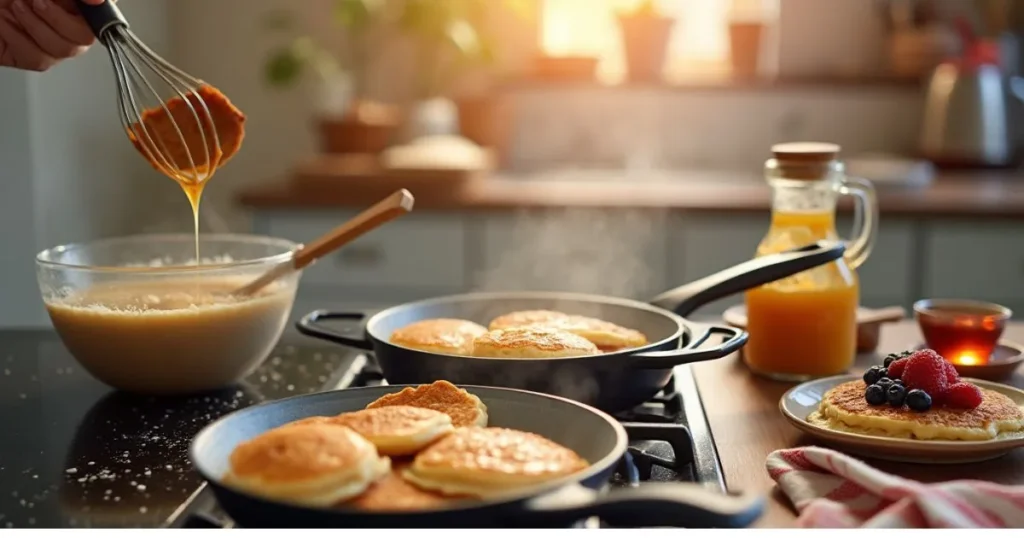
(652, 505)
(309, 326)
(749, 274)
(659, 360)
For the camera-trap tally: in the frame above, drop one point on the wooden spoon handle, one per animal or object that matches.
(386, 210)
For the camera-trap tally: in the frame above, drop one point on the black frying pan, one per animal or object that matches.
(612, 381)
(595, 436)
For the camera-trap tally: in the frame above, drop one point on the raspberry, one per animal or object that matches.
(962, 395)
(926, 370)
(895, 370)
(952, 376)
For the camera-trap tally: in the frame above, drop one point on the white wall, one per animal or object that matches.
(69, 172)
(19, 300)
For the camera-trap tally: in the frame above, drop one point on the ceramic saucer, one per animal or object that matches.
(802, 400)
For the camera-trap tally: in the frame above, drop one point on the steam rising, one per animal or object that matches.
(615, 253)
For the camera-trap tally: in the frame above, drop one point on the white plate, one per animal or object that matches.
(802, 400)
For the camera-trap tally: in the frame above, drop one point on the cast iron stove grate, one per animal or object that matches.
(670, 441)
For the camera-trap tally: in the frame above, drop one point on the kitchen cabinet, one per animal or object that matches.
(705, 244)
(983, 261)
(628, 253)
(420, 250)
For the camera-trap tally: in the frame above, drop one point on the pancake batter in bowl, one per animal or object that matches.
(180, 334)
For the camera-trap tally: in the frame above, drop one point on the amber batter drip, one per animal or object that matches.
(218, 116)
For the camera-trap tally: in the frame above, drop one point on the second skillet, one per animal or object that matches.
(612, 381)
(594, 435)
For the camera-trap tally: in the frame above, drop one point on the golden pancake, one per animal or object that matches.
(445, 336)
(605, 335)
(464, 408)
(313, 464)
(491, 462)
(395, 494)
(398, 430)
(844, 408)
(532, 343)
(523, 318)
(310, 420)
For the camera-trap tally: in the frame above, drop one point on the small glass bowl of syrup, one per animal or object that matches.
(964, 332)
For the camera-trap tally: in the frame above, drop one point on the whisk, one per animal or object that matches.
(137, 94)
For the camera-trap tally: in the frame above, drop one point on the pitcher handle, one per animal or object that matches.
(865, 219)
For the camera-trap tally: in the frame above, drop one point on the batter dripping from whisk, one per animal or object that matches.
(188, 140)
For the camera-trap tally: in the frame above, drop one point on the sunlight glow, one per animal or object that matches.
(699, 45)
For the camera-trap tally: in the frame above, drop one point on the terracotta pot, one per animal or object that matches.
(565, 68)
(486, 120)
(645, 41)
(366, 128)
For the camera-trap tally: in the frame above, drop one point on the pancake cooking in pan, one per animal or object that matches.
(532, 343)
(398, 430)
(446, 336)
(464, 408)
(314, 464)
(605, 335)
(394, 493)
(491, 462)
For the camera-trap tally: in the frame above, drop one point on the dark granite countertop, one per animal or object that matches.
(76, 453)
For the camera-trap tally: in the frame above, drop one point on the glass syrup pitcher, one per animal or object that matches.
(805, 326)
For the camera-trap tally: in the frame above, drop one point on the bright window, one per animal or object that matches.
(698, 48)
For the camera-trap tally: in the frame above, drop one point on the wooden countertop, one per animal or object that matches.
(743, 411)
(976, 195)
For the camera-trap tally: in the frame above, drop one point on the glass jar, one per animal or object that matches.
(805, 326)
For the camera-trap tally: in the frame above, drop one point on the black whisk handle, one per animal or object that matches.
(102, 17)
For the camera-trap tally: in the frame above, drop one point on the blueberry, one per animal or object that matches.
(919, 400)
(875, 395)
(897, 381)
(890, 358)
(873, 374)
(884, 382)
(895, 395)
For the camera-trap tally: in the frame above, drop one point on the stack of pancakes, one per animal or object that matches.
(528, 334)
(843, 408)
(417, 449)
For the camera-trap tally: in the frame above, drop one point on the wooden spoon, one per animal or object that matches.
(386, 210)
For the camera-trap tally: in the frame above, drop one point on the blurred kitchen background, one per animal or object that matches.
(606, 146)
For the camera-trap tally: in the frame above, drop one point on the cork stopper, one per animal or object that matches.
(805, 160)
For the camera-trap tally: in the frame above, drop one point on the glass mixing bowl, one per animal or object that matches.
(139, 315)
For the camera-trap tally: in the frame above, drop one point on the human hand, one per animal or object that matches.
(37, 34)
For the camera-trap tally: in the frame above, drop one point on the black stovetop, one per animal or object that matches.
(77, 454)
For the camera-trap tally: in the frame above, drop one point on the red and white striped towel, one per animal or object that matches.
(833, 490)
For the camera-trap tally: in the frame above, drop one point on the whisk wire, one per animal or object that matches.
(130, 116)
(152, 144)
(129, 56)
(193, 168)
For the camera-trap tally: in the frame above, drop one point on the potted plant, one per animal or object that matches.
(645, 36)
(348, 121)
(450, 39)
